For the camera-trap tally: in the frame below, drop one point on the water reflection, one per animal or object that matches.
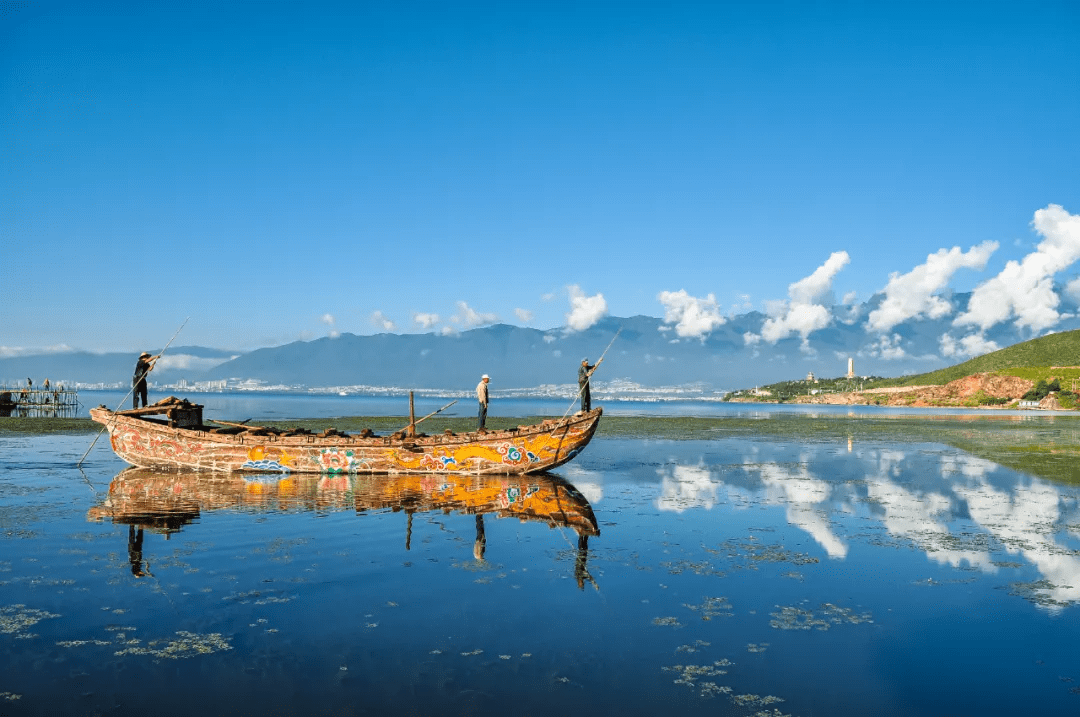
(959, 510)
(164, 503)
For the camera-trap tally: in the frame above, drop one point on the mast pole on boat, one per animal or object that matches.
(412, 416)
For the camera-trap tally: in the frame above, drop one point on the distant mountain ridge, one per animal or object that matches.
(648, 352)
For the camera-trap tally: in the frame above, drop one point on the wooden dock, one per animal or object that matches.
(23, 402)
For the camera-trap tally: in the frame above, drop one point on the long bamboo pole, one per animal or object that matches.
(582, 388)
(412, 424)
(125, 398)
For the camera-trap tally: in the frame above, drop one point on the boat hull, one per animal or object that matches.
(527, 449)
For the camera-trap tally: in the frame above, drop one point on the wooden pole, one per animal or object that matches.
(160, 354)
(421, 420)
(412, 415)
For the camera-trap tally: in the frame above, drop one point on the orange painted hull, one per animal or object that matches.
(148, 443)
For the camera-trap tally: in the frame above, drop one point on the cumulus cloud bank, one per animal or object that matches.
(584, 310)
(328, 319)
(380, 320)
(14, 351)
(692, 316)
(971, 345)
(468, 318)
(187, 362)
(524, 315)
(807, 308)
(425, 321)
(1025, 289)
(913, 295)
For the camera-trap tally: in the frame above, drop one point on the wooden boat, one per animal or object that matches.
(167, 501)
(181, 441)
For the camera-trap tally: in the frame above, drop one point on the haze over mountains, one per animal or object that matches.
(648, 352)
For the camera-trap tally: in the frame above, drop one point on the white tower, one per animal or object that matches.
(851, 368)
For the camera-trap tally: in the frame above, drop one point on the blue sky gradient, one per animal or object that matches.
(279, 171)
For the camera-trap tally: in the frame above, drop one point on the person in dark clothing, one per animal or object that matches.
(143, 366)
(583, 374)
(135, 540)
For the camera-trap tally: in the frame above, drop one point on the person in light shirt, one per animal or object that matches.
(482, 398)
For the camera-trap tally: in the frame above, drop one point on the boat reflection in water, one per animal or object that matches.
(145, 499)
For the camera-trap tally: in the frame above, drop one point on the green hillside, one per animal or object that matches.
(1054, 350)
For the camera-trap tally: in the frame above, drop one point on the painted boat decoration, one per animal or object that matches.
(167, 501)
(181, 441)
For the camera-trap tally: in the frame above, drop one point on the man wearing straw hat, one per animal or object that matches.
(143, 366)
(482, 397)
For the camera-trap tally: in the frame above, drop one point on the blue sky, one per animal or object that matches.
(283, 171)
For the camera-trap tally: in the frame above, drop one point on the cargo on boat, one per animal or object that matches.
(171, 435)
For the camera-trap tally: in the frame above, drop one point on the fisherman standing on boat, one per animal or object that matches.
(482, 397)
(143, 366)
(583, 374)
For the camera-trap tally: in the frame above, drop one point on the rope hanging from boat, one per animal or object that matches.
(128, 394)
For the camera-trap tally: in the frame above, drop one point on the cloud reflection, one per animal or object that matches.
(959, 510)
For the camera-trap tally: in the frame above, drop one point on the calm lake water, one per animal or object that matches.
(724, 577)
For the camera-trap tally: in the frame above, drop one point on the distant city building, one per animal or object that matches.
(810, 377)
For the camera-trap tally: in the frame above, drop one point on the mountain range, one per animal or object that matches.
(646, 351)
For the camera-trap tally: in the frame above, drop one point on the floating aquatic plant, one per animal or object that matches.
(666, 622)
(750, 552)
(688, 676)
(190, 644)
(755, 700)
(794, 618)
(698, 644)
(712, 607)
(14, 619)
(698, 568)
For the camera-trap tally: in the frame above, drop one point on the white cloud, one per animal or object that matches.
(13, 351)
(584, 310)
(742, 306)
(849, 298)
(1073, 288)
(524, 315)
(888, 348)
(468, 318)
(751, 339)
(817, 288)
(913, 294)
(447, 331)
(971, 345)
(692, 316)
(425, 321)
(328, 319)
(1025, 289)
(550, 338)
(379, 320)
(807, 309)
(184, 362)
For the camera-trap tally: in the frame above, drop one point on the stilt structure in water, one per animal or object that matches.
(26, 402)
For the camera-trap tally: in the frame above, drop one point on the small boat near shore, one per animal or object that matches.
(170, 435)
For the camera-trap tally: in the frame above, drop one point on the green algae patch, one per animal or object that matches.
(48, 426)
